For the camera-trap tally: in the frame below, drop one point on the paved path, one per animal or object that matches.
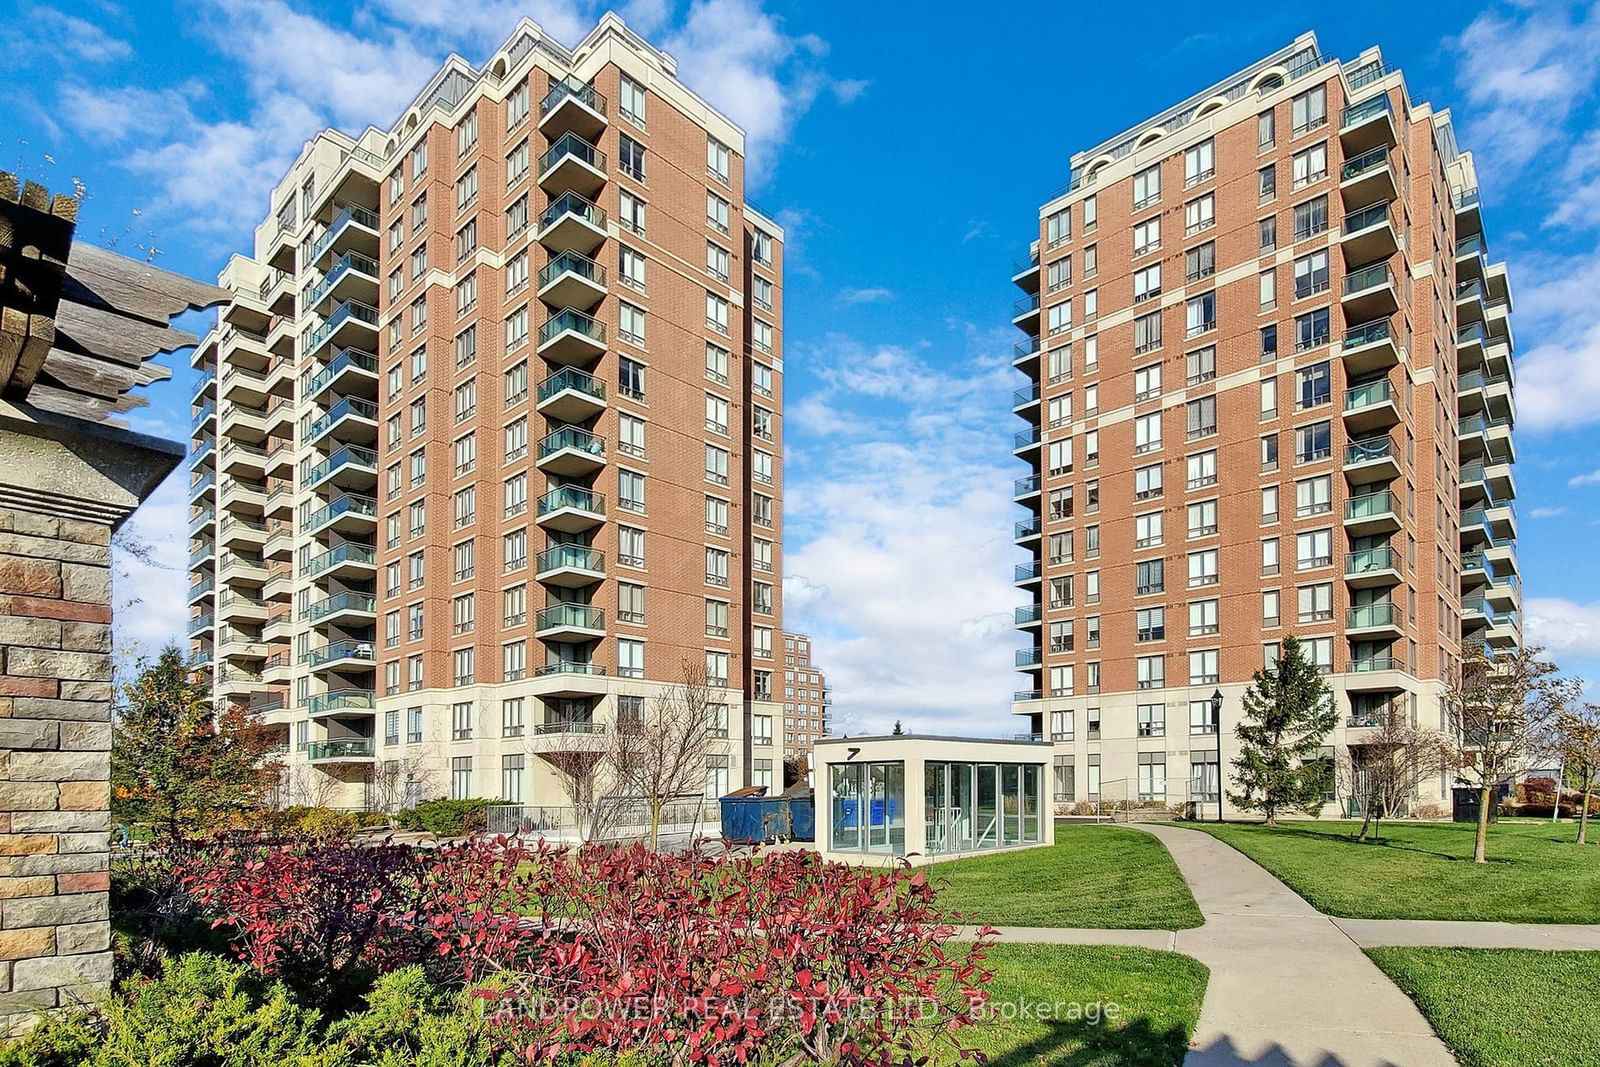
(1370, 933)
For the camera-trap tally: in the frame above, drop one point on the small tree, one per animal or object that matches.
(179, 764)
(1384, 771)
(1575, 737)
(662, 755)
(1288, 714)
(1503, 708)
(898, 731)
(580, 761)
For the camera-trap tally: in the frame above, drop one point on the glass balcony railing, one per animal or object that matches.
(1025, 396)
(349, 504)
(202, 520)
(1367, 333)
(201, 622)
(1028, 613)
(572, 263)
(576, 206)
(1369, 664)
(1369, 505)
(201, 484)
(207, 410)
(571, 87)
(571, 378)
(1023, 486)
(1027, 529)
(576, 321)
(362, 602)
(570, 144)
(1027, 571)
(349, 455)
(570, 616)
(570, 666)
(1368, 394)
(337, 650)
(350, 213)
(201, 588)
(1370, 277)
(1475, 606)
(350, 405)
(1472, 517)
(575, 557)
(349, 552)
(572, 496)
(572, 438)
(1371, 160)
(1026, 438)
(1367, 217)
(1471, 245)
(1367, 560)
(557, 727)
(1365, 616)
(1472, 333)
(347, 357)
(1029, 657)
(1470, 289)
(1369, 450)
(347, 311)
(1367, 109)
(1025, 305)
(1471, 473)
(344, 748)
(350, 261)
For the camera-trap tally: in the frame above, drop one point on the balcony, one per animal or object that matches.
(351, 512)
(561, 736)
(356, 420)
(1470, 301)
(572, 280)
(200, 454)
(1369, 293)
(571, 509)
(1371, 568)
(1501, 519)
(1474, 527)
(337, 655)
(199, 624)
(240, 460)
(1027, 531)
(244, 422)
(1026, 442)
(343, 750)
(201, 520)
(572, 164)
(1369, 348)
(234, 607)
(1472, 257)
(202, 414)
(204, 553)
(571, 452)
(243, 566)
(1028, 573)
(352, 324)
(1367, 125)
(1025, 271)
(1504, 592)
(1025, 487)
(1369, 234)
(1025, 316)
(201, 590)
(1371, 674)
(1371, 459)
(351, 466)
(569, 623)
(346, 608)
(571, 566)
(239, 532)
(1375, 621)
(571, 395)
(572, 224)
(344, 372)
(1370, 407)
(1028, 616)
(352, 276)
(1371, 514)
(571, 336)
(1367, 178)
(567, 677)
(244, 494)
(354, 227)
(1030, 659)
(572, 105)
(1497, 476)
(349, 560)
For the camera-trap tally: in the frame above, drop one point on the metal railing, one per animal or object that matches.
(570, 616)
(572, 496)
(571, 88)
(345, 748)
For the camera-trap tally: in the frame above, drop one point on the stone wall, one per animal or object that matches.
(55, 744)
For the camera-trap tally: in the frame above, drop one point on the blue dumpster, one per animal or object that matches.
(749, 820)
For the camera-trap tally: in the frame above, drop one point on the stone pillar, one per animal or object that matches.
(65, 487)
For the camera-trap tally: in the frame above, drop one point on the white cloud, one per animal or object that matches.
(1563, 626)
(76, 37)
(899, 558)
(1592, 478)
(1547, 513)
(1559, 375)
(865, 296)
(1581, 178)
(149, 585)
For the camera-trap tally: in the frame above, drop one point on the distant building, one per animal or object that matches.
(806, 697)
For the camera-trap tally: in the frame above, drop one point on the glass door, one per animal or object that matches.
(988, 807)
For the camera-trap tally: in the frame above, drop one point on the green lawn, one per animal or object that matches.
(1098, 876)
(1504, 1007)
(1535, 873)
(1088, 1006)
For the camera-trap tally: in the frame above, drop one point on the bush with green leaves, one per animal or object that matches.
(446, 818)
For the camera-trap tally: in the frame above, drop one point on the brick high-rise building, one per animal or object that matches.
(495, 418)
(806, 697)
(1270, 393)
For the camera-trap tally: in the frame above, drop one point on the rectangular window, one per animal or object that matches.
(1311, 274)
(1204, 617)
(1150, 672)
(1313, 442)
(1202, 470)
(1203, 568)
(1199, 163)
(1147, 187)
(1201, 365)
(1200, 214)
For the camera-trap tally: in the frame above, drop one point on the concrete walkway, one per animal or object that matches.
(1371, 933)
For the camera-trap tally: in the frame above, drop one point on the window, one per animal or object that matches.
(1200, 262)
(1313, 496)
(516, 494)
(1147, 333)
(1201, 416)
(1203, 667)
(1269, 398)
(517, 329)
(514, 661)
(762, 423)
(1198, 163)
(630, 100)
(1150, 624)
(1060, 457)
(716, 618)
(1309, 110)
(1152, 720)
(1091, 215)
(1204, 616)
(717, 262)
(1310, 166)
(516, 273)
(1311, 274)
(1269, 503)
(1058, 227)
(1269, 556)
(1271, 607)
(630, 212)
(630, 658)
(1150, 672)
(630, 490)
(716, 465)
(716, 212)
(761, 379)
(630, 268)
(1147, 283)
(630, 323)
(630, 603)
(1310, 218)
(1313, 442)
(630, 435)
(1203, 568)
(1201, 365)
(717, 363)
(1147, 236)
(630, 546)
(1091, 261)
(461, 778)
(1268, 231)
(1316, 602)
(630, 157)
(517, 106)
(1200, 214)
(761, 248)
(1058, 318)
(516, 387)
(1202, 470)
(1313, 385)
(717, 159)
(761, 335)
(1202, 518)
(467, 289)
(511, 768)
(1311, 330)
(1268, 183)
(515, 550)
(466, 506)
(1269, 342)
(467, 189)
(1201, 314)
(1147, 482)
(630, 378)
(1266, 129)
(1149, 576)
(1147, 433)
(462, 666)
(717, 313)
(1147, 187)
(1269, 452)
(1314, 548)
(761, 292)
(761, 597)
(761, 509)
(464, 555)
(1147, 530)
(517, 439)
(1267, 282)
(514, 605)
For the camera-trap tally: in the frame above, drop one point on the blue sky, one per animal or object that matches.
(907, 154)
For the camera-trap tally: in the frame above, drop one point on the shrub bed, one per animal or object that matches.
(446, 818)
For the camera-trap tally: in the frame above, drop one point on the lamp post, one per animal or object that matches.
(1216, 726)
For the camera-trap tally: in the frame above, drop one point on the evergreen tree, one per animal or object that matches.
(1287, 715)
(898, 730)
(178, 764)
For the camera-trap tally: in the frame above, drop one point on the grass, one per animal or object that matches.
(1535, 873)
(1089, 1006)
(1095, 876)
(1503, 1007)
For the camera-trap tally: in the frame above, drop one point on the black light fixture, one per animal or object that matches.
(1216, 727)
